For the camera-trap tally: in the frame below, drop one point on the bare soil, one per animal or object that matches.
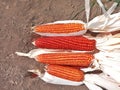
(16, 19)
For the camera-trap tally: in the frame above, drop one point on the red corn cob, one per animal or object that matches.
(66, 72)
(71, 59)
(59, 28)
(69, 43)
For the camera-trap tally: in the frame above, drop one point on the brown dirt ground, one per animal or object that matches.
(16, 19)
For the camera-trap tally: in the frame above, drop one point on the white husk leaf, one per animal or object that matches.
(97, 24)
(113, 73)
(109, 63)
(92, 86)
(48, 78)
(112, 8)
(114, 67)
(87, 9)
(100, 81)
(81, 32)
(106, 22)
(68, 21)
(105, 76)
(107, 42)
(110, 59)
(89, 69)
(116, 35)
(33, 53)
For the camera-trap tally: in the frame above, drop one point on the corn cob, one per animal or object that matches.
(61, 58)
(71, 59)
(59, 28)
(68, 43)
(65, 72)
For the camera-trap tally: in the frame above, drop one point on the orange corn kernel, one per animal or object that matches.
(59, 28)
(71, 59)
(66, 72)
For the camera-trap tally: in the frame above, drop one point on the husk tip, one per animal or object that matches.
(33, 27)
(35, 71)
(21, 54)
(33, 43)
